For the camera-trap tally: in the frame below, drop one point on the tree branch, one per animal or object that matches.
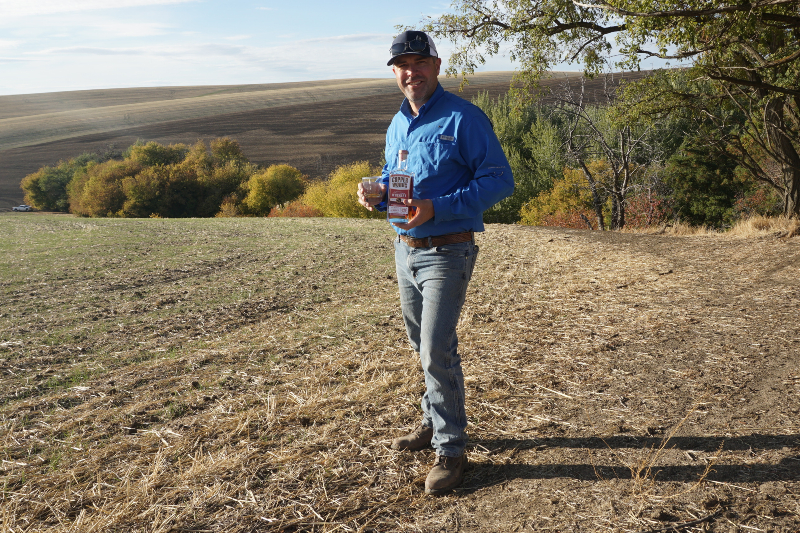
(558, 27)
(682, 55)
(685, 12)
(755, 84)
(763, 62)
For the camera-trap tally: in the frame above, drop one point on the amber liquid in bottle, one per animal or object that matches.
(401, 186)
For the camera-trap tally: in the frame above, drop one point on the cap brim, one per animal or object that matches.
(391, 61)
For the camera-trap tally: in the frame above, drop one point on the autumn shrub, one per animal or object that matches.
(295, 208)
(98, 191)
(577, 218)
(646, 208)
(568, 204)
(759, 200)
(276, 185)
(153, 154)
(336, 196)
(46, 189)
(229, 208)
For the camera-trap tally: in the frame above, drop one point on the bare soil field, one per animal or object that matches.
(314, 126)
(238, 375)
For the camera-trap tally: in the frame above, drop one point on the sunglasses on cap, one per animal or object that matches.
(417, 46)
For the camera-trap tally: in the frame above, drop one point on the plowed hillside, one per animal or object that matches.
(314, 126)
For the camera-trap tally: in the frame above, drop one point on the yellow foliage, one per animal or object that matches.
(336, 196)
(568, 196)
(276, 185)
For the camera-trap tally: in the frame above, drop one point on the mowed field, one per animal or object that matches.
(314, 126)
(243, 375)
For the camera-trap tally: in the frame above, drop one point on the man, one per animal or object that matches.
(460, 171)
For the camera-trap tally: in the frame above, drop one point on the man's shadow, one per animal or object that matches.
(788, 469)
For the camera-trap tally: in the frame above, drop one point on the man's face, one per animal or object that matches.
(417, 76)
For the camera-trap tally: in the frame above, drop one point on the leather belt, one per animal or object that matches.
(440, 240)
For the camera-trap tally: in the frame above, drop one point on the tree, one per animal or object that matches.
(336, 196)
(747, 54)
(98, 192)
(570, 203)
(531, 140)
(46, 189)
(628, 150)
(704, 187)
(152, 153)
(276, 185)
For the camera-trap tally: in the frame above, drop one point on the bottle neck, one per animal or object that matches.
(402, 160)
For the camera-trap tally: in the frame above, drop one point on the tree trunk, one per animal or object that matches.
(791, 205)
(617, 211)
(596, 200)
(786, 153)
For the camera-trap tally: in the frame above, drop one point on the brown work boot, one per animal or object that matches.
(416, 440)
(446, 474)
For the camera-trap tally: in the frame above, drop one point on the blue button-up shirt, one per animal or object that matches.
(456, 159)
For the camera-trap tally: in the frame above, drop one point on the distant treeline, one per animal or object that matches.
(176, 181)
(574, 166)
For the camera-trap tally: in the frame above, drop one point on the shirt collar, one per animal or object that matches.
(405, 107)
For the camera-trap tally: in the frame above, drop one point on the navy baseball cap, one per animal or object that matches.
(412, 42)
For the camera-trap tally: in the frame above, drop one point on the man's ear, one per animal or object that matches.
(438, 65)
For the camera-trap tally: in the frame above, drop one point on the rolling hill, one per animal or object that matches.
(314, 126)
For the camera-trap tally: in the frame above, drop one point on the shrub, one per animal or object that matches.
(276, 185)
(229, 208)
(704, 186)
(226, 150)
(758, 200)
(98, 191)
(564, 204)
(46, 189)
(646, 209)
(336, 196)
(153, 154)
(295, 209)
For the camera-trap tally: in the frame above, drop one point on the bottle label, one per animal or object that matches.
(400, 185)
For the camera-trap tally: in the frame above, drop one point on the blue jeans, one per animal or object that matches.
(433, 284)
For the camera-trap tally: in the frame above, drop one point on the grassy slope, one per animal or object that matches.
(247, 375)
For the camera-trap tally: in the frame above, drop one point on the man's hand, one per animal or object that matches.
(424, 213)
(362, 199)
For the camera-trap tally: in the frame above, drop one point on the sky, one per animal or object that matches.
(65, 45)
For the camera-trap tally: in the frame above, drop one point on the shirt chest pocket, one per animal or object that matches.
(438, 154)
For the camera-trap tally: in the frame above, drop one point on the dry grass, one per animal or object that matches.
(756, 226)
(583, 354)
(760, 226)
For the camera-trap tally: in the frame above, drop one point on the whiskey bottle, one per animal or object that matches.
(401, 186)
